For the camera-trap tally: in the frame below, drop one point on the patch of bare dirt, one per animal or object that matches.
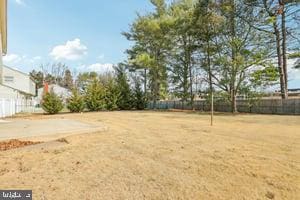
(13, 144)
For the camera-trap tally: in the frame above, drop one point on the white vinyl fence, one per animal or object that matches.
(9, 107)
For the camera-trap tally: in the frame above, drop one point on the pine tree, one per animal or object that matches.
(95, 96)
(183, 49)
(112, 95)
(125, 99)
(140, 101)
(84, 79)
(51, 103)
(68, 79)
(150, 34)
(76, 102)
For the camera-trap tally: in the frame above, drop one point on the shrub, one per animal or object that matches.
(76, 102)
(51, 103)
(95, 96)
(125, 101)
(140, 101)
(112, 95)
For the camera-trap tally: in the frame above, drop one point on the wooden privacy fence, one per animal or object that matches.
(9, 107)
(263, 106)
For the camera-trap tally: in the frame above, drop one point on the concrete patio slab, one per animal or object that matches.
(45, 129)
(4, 121)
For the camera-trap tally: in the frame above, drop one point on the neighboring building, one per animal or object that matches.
(16, 88)
(62, 92)
(16, 84)
(17, 92)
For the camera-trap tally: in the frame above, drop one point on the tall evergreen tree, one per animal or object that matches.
(182, 58)
(125, 94)
(84, 79)
(112, 95)
(238, 47)
(208, 22)
(140, 101)
(95, 96)
(278, 20)
(68, 79)
(151, 45)
(76, 102)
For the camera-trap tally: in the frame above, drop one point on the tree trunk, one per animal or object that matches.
(185, 83)
(156, 93)
(284, 45)
(233, 57)
(280, 62)
(185, 70)
(157, 78)
(191, 86)
(145, 81)
(282, 73)
(212, 109)
(210, 84)
(233, 101)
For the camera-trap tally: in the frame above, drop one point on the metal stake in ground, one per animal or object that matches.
(212, 109)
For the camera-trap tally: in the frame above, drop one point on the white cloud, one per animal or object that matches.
(72, 50)
(11, 58)
(20, 2)
(15, 60)
(98, 67)
(35, 59)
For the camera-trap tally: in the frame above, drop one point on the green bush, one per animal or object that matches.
(140, 101)
(112, 95)
(95, 96)
(125, 101)
(51, 103)
(76, 102)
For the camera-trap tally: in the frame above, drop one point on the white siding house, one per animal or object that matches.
(18, 80)
(62, 92)
(16, 88)
(17, 92)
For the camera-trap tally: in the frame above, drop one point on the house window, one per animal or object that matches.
(8, 79)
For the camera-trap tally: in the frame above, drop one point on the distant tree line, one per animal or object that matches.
(187, 48)
(215, 45)
(96, 92)
(56, 73)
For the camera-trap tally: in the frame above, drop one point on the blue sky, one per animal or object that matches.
(84, 34)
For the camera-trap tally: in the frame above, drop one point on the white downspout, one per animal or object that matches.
(2, 102)
(1, 61)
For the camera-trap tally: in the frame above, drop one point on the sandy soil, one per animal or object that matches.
(162, 155)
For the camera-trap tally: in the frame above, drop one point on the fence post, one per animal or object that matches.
(12, 107)
(295, 107)
(2, 108)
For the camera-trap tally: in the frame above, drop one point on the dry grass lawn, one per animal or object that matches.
(162, 155)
